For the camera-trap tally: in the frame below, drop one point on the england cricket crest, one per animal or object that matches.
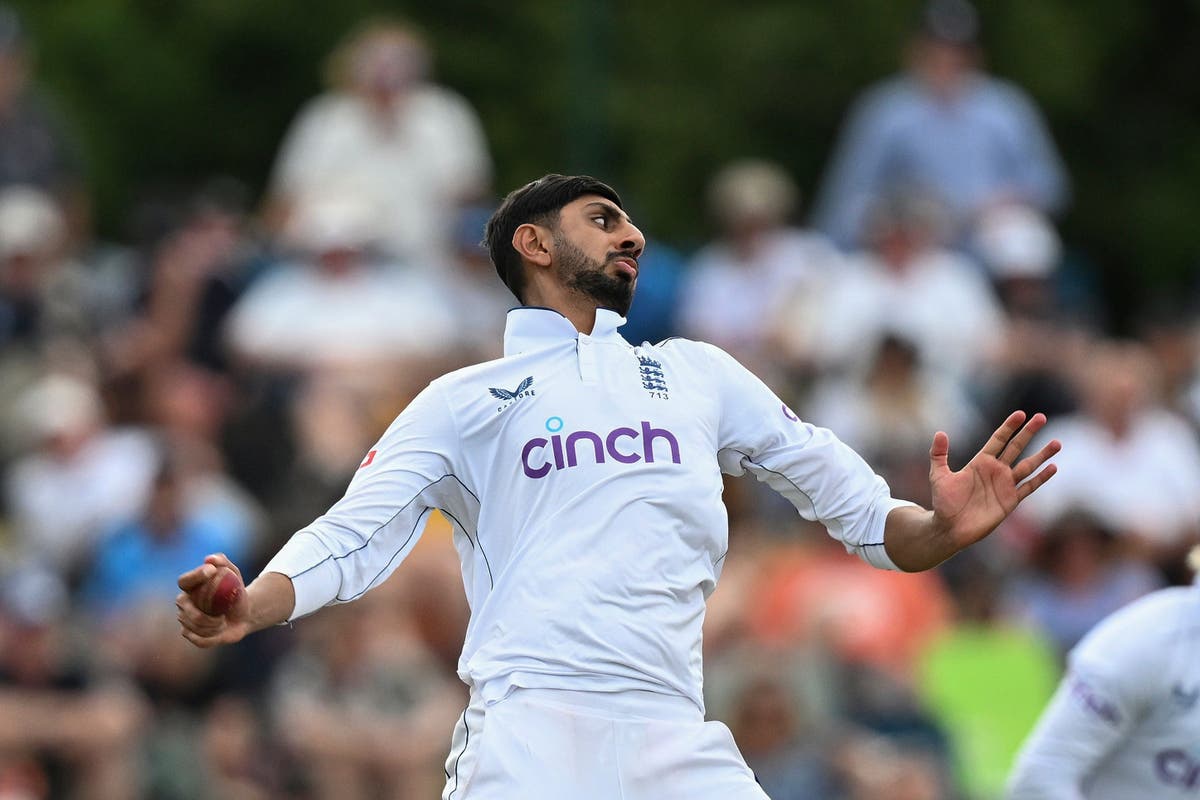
(654, 380)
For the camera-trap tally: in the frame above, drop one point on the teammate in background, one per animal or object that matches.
(582, 475)
(1125, 721)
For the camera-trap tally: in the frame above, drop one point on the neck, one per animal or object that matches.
(578, 308)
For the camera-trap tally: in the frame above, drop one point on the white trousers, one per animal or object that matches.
(550, 744)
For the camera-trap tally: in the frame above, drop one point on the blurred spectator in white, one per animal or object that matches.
(1017, 243)
(81, 478)
(906, 283)
(63, 731)
(339, 307)
(1021, 251)
(1129, 461)
(890, 413)
(1078, 577)
(35, 149)
(1169, 325)
(413, 151)
(945, 126)
(736, 288)
(362, 704)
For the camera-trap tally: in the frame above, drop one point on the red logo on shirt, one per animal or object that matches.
(370, 458)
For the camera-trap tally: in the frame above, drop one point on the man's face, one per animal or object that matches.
(596, 251)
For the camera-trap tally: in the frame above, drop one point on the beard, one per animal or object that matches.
(586, 276)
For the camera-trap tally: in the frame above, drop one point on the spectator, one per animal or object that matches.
(1079, 576)
(736, 288)
(943, 126)
(35, 149)
(1124, 429)
(364, 715)
(135, 564)
(890, 413)
(200, 256)
(82, 478)
(63, 731)
(767, 729)
(412, 151)
(340, 308)
(906, 283)
(1021, 251)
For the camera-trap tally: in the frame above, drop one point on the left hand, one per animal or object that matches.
(970, 503)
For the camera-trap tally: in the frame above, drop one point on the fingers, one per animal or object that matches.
(996, 443)
(197, 627)
(222, 560)
(1027, 466)
(1030, 486)
(939, 453)
(194, 579)
(1021, 440)
(193, 618)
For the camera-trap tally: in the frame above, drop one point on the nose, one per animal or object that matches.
(631, 239)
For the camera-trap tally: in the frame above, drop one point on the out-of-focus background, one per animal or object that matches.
(237, 237)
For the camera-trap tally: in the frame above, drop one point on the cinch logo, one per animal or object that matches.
(540, 455)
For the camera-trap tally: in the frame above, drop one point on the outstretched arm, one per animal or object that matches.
(970, 503)
(267, 601)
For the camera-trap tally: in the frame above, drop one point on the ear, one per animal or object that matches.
(533, 244)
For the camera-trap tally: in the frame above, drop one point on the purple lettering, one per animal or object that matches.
(611, 443)
(530, 446)
(572, 461)
(650, 434)
(566, 455)
(1177, 768)
(1093, 702)
(556, 441)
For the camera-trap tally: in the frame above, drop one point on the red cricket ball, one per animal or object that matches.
(220, 593)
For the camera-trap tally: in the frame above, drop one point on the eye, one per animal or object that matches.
(603, 218)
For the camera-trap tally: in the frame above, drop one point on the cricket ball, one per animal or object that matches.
(220, 593)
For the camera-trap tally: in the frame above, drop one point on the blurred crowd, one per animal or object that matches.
(211, 382)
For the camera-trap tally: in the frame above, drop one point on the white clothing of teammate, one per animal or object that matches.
(583, 479)
(1125, 721)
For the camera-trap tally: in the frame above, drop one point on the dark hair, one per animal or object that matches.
(953, 22)
(537, 202)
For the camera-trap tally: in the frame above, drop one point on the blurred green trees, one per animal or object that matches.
(650, 94)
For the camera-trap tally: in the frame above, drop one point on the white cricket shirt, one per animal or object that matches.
(1125, 722)
(582, 476)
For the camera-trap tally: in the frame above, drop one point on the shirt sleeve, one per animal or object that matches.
(1097, 704)
(819, 474)
(361, 540)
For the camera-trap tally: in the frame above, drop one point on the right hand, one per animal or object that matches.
(206, 630)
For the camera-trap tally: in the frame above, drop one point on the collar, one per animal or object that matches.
(533, 327)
